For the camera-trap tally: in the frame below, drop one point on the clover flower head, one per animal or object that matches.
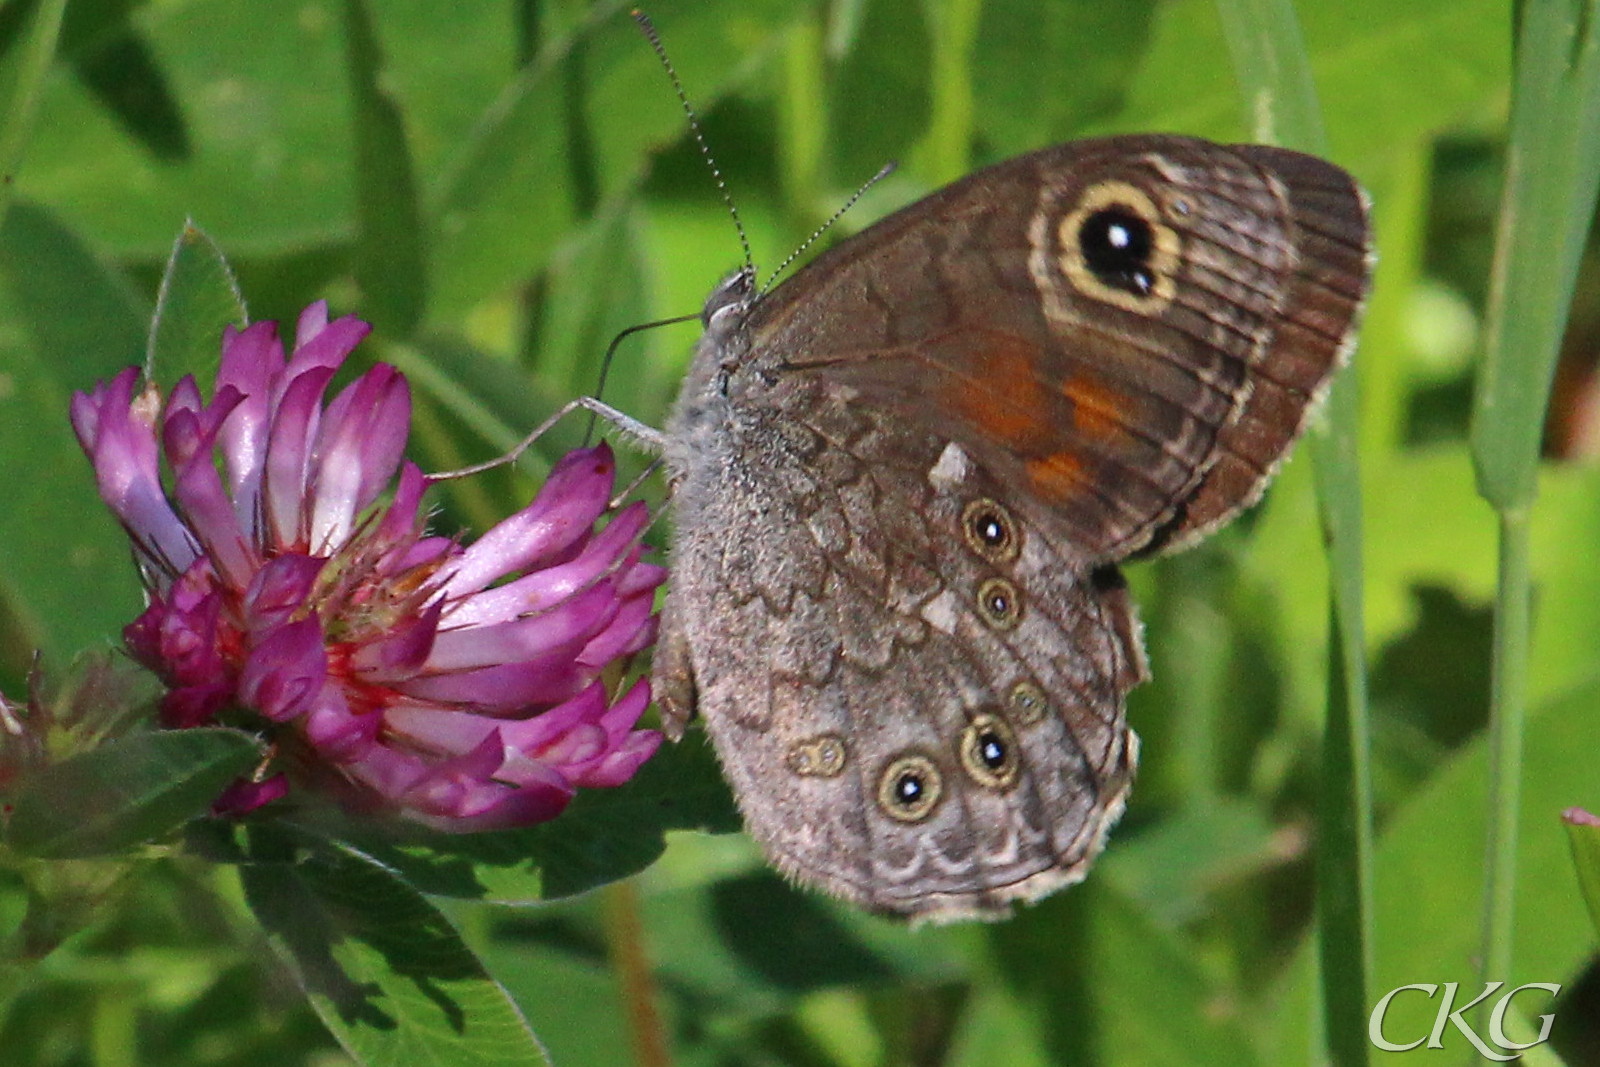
(291, 581)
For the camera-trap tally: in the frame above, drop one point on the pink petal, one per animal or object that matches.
(569, 626)
(625, 713)
(251, 360)
(561, 514)
(194, 705)
(498, 808)
(621, 633)
(328, 347)
(280, 590)
(385, 771)
(243, 797)
(399, 525)
(313, 320)
(402, 651)
(531, 734)
(505, 688)
(294, 425)
(536, 591)
(580, 744)
(285, 674)
(358, 450)
(339, 733)
(620, 764)
(211, 519)
(127, 470)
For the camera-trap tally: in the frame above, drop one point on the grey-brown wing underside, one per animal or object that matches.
(911, 717)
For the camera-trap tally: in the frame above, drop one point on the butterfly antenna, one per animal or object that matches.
(888, 169)
(648, 28)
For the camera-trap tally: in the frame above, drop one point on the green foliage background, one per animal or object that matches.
(502, 186)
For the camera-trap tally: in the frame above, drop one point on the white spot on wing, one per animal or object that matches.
(952, 468)
(940, 612)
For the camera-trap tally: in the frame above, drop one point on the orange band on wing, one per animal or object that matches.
(1095, 408)
(1006, 403)
(1056, 476)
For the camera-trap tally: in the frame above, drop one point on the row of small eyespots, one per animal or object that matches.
(991, 533)
(911, 786)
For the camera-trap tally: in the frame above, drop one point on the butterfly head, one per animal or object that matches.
(729, 300)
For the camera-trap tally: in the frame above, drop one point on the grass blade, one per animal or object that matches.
(1274, 73)
(1552, 174)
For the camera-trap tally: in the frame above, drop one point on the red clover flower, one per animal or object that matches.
(289, 575)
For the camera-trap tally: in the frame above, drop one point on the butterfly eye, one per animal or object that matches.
(910, 788)
(989, 752)
(1117, 244)
(999, 603)
(990, 531)
(1027, 704)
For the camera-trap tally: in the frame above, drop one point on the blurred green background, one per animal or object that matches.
(501, 186)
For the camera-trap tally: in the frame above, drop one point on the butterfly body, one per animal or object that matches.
(903, 481)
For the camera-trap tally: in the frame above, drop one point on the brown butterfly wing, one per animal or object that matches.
(1143, 390)
(829, 619)
(903, 476)
(1321, 297)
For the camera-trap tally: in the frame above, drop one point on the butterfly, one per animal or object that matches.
(904, 479)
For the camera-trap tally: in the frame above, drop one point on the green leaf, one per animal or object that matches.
(126, 793)
(1128, 992)
(22, 76)
(759, 941)
(1368, 57)
(1427, 885)
(1096, 47)
(124, 73)
(386, 971)
(573, 1002)
(391, 253)
(1174, 869)
(66, 579)
(1552, 177)
(592, 292)
(503, 206)
(85, 317)
(503, 210)
(1274, 73)
(1583, 834)
(888, 64)
(198, 297)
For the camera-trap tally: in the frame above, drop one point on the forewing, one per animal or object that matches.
(1132, 330)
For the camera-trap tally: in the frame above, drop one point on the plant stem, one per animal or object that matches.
(1552, 175)
(630, 961)
(1512, 627)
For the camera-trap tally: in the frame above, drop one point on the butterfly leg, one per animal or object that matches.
(647, 438)
(672, 680)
